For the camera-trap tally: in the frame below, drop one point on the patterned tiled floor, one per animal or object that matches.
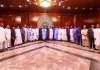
(49, 55)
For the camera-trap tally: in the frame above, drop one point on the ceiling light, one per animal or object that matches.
(54, 0)
(10, 5)
(61, 1)
(76, 8)
(2, 5)
(69, 8)
(27, 0)
(30, 3)
(83, 8)
(20, 6)
(10, 15)
(45, 3)
(59, 4)
(25, 5)
(90, 8)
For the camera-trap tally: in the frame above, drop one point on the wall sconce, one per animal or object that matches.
(35, 19)
(54, 19)
(18, 19)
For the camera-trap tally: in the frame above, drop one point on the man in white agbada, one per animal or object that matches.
(2, 36)
(37, 33)
(50, 33)
(64, 34)
(8, 36)
(25, 33)
(18, 39)
(60, 33)
(71, 34)
(97, 36)
(34, 34)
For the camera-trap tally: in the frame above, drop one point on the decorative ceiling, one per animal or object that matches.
(56, 6)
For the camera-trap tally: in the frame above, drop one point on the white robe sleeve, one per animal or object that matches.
(95, 33)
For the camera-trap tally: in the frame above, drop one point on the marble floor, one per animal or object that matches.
(50, 55)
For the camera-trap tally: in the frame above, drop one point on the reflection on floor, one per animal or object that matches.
(50, 55)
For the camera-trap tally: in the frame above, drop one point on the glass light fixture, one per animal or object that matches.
(45, 3)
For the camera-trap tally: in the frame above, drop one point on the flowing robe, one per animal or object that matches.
(2, 37)
(78, 34)
(30, 34)
(44, 34)
(75, 35)
(71, 35)
(97, 36)
(8, 37)
(64, 35)
(34, 34)
(60, 34)
(51, 34)
(18, 39)
(37, 33)
(56, 34)
(25, 34)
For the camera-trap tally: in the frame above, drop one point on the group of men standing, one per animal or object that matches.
(15, 36)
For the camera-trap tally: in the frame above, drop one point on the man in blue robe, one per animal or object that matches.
(44, 34)
(75, 35)
(22, 34)
(30, 34)
(56, 34)
(68, 33)
(53, 32)
(78, 33)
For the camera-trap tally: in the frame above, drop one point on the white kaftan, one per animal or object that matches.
(8, 37)
(18, 39)
(60, 34)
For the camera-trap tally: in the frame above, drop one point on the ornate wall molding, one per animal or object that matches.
(45, 21)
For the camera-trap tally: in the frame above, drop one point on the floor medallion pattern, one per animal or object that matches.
(41, 56)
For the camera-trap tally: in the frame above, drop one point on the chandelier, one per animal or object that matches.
(43, 3)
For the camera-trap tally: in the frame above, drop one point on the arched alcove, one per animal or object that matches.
(45, 21)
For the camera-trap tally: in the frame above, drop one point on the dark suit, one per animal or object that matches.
(40, 33)
(91, 37)
(13, 37)
(47, 33)
(68, 34)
